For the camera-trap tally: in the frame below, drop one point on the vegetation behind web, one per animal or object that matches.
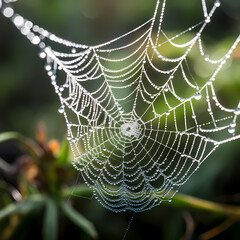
(27, 97)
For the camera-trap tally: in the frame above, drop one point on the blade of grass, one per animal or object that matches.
(4, 166)
(22, 207)
(50, 223)
(218, 229)
(79, 220)
(189, 202)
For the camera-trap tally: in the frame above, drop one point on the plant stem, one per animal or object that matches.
(185, 201)
(179, 201)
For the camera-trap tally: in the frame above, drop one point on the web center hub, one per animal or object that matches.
(131, 129)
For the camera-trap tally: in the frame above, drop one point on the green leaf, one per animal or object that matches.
(63, 156)
(9, 136)
(22, 207)
(50, 223)
(28, 144)
(5, 196)
(4, 165)
(79, 220)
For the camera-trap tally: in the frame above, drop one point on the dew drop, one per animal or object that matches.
(52, 37)
(35, 28)
(217, 4)
(209, 82)
(73, 50)
(237, 111)
(231, 130)
(42, 45)
(233, 124)
(61, 109)
(50, 73)
(166, 89)
(35, 40)
(87, 51)
(198, 96)
(53, 78)
(207, 20)
(18, 21)
(8, 12)
(28, 24)
(42, 54)
(61, 88)
(48, 67)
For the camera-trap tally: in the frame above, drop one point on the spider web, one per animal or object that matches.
(139, 122)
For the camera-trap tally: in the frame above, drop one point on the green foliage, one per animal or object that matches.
(79, 220)
(62, 158)
(22, 207)
(50, 166)
(50, 222)
(54, 171)
(27, 97)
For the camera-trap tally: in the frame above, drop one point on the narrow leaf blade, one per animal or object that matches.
(79, 220)
(50, 223)
(20, 207)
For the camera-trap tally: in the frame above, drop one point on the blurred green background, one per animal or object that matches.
(27, 98)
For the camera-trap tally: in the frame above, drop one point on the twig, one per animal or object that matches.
(218, 229)
(189, 226)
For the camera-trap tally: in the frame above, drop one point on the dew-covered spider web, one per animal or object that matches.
(140, 121)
